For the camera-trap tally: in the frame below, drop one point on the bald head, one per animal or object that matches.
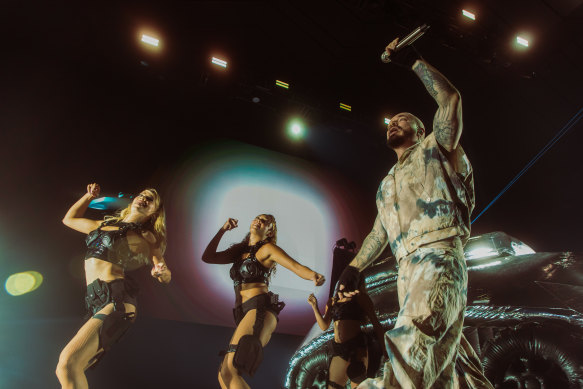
(416, 124)
(404, 130)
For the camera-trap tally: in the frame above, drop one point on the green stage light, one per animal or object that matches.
(296, 130)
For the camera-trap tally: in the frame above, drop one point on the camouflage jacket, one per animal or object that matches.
(427, 196)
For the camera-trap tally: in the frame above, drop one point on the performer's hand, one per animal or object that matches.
(230, 224)
(312, 300)
(319, 279)
(391, 46)
(348, 282)
(93, 190)
(161, 272)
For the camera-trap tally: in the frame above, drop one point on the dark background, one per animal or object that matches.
(82, 100)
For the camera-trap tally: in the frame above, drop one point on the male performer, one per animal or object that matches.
(424, 207)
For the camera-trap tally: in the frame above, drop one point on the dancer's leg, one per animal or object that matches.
(229, 375)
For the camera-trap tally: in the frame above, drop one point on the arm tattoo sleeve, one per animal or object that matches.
(436, 84)
(372, 247)
(447, 124)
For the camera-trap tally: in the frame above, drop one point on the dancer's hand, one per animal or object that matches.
(346, 295)
(230, 224)
(161, 272)
(312, 300)
(319, 279)
(93, 190)
(348, 282)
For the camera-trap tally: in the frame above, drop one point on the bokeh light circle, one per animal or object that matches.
(21, 283)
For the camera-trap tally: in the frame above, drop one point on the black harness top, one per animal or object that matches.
(250, 270)
(112, 246)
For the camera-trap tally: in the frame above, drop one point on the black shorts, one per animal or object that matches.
(267, 301)
(101, 293)
(347, 350)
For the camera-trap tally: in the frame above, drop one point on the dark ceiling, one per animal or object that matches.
(83, 100)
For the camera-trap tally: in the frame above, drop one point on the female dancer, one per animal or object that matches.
(256, 308)
(349, 355)
(133, 238)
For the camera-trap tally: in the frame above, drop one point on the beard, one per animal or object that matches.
(396, 141)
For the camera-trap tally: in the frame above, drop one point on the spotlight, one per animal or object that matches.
(296, 130)
(522, 41)
(150, 40)
(219, 62)
(468, 14)
(282, 84)
(345, 107)
(387, 121)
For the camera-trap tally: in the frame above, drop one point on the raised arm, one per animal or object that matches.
(447, 123)
(323, 321)
(211, 255)
(74, 217)
(277, 255)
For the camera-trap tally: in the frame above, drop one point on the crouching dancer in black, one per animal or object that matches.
(349, 347)
(256, 308)
(133, 238)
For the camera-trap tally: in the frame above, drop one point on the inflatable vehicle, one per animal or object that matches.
(524, 317)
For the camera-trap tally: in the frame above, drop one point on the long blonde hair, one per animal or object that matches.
(155, 224)
(239, 248)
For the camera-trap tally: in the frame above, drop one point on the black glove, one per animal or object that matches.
(405, 57)
(350, 278)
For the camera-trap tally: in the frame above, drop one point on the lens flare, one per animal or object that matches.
(21, 283)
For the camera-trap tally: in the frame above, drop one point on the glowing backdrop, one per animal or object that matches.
(313, 209)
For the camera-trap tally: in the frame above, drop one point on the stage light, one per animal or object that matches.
(296, 130)
(111, 203)
(468, 14)
(22, 283)
(387, 121)
(150, 40)
(345, 107)
(219, 62)
(282, 84)
(522, 41)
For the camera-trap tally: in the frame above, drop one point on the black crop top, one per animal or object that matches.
(250, 270)
(112, 246)
(349, 310)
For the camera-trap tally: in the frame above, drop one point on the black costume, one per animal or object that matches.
(249, 351)
(112, 246)
(349, 310)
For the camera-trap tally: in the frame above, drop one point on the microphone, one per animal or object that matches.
(406, 41)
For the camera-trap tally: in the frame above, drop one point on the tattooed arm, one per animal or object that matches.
(372, 247)
(447, 123)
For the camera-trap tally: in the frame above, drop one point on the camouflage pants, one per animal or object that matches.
(427, 339)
